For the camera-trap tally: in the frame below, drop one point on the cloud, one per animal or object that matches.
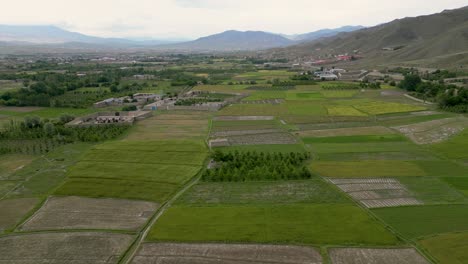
(195, 18)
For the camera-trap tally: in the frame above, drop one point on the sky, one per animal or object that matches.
(189, 19)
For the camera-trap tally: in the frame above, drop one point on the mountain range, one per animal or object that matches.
(230, 40)
(440, 39)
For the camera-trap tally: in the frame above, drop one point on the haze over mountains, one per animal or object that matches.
(230, 40)
(439, 39)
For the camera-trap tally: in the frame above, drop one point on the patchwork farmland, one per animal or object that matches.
(293, 172)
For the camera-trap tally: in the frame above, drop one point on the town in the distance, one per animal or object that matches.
(338, 146)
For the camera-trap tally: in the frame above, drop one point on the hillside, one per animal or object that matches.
(233, 40)
(323, 33)
(403, 40)
(27, 35)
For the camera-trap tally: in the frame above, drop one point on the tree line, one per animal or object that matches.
(257, 166)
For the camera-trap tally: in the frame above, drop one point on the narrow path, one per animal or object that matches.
(417, 100)
(129, 255)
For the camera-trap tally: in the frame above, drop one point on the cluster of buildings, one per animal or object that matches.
(136, 99)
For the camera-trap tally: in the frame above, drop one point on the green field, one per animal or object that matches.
(448, 248)
(379, 108)
(455, 148)
(297, 224)
(280, 192)
(354, 139)
(359, 169)
(136, 170)
(343, 110)
(419, 221)
(266, 148)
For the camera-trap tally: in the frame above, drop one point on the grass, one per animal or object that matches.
(454, 148)
(442, 168)
(13, 162)
(355, 139)
(379, 108)
(253, 110)
(266, 148)
(282, 192)
(363, 147)
(343, 110)
(306, 108)
(126, 189)
(295, 95)
(339, 94)
(360, 169)
(458, 183)
(44, 174)
(218, 126)
(302, 224)
(265, 95)
(146, 170)
(431, 190)
(419, 221)
(448, 248)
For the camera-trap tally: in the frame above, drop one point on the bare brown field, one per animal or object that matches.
(60, 213)
(168, 253)
(58, 248)
(376, 256)
(164, 127)
(433, 131)
(243, 118)
(13, 210)
(377, 193)
(352, 131)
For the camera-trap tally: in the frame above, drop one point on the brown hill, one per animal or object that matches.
(426, 40)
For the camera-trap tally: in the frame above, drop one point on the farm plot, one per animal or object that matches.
(434, 190)
(222, 88)
(434, 131)
(419, 221)
(351, 131)
(372, 169)
(270, 192)
(362, 147)
(265, 148)
(13, 210)
(11, 163)
(253, 110)
(343, 110)
(163, 127)
(171, 253)
(265, 95)
(243, 118)
(376, 193)
(147, 170)
(454, 148)
(354, 139)
(87, 213)
(448, 248)
(299, 223)
(379, 108)
(339, 94)
(262, 139)
(233, 128)
(458, 183)
(304, 108)
(376, 255)
(295, 96)
(44, 174)
(55, 248)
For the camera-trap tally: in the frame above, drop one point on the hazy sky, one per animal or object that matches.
(195, 18)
